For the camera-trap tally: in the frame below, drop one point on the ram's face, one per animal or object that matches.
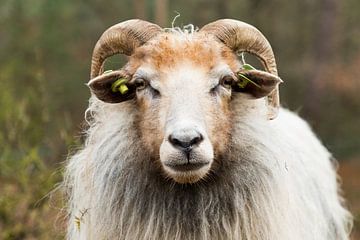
(183, 94)
(181, 85)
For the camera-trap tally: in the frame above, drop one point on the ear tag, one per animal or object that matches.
(120, 86)
(107, 71)
(243, 81)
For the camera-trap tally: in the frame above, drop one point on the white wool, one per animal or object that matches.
(277, 183)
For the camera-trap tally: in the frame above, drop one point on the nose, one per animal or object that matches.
(185, 139)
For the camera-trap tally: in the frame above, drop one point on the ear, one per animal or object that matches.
(105, 87)
(256, 83)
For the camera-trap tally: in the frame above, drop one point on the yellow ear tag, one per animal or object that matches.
(120, 85)
(243, 80)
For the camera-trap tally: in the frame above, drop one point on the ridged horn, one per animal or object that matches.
(121, 38)
(242, 37)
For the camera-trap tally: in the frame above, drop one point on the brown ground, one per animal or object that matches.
(350, 175)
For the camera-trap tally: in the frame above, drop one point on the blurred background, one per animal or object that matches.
(45, 51)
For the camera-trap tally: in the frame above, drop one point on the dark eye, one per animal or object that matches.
(227, 81)
(140, 83)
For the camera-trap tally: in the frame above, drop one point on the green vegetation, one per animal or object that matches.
(45, 52)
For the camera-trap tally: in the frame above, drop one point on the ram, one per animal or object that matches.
(187, 142)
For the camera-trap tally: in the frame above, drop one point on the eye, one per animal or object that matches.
(140, 84)
(227, 82)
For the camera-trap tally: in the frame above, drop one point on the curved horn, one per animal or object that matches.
(121, 38)
(242, 37)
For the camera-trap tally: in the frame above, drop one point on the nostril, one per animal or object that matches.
(196, 140)
(185, 141)
(176, 142)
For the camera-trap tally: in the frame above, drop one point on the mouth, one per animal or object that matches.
(186, 166)
(188, 171)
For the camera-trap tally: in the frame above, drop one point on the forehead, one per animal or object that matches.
(171, 49)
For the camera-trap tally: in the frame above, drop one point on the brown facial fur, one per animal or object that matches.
(151, 130)
(168, 49)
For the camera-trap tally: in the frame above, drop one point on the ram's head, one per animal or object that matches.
(182, 84)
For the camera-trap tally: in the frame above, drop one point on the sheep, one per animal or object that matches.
(186, 150)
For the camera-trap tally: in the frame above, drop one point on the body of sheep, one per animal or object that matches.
(188, 154)
(276, 181)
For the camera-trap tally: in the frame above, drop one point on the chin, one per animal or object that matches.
(187, 176)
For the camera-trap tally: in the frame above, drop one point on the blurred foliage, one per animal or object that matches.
(45, 51)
